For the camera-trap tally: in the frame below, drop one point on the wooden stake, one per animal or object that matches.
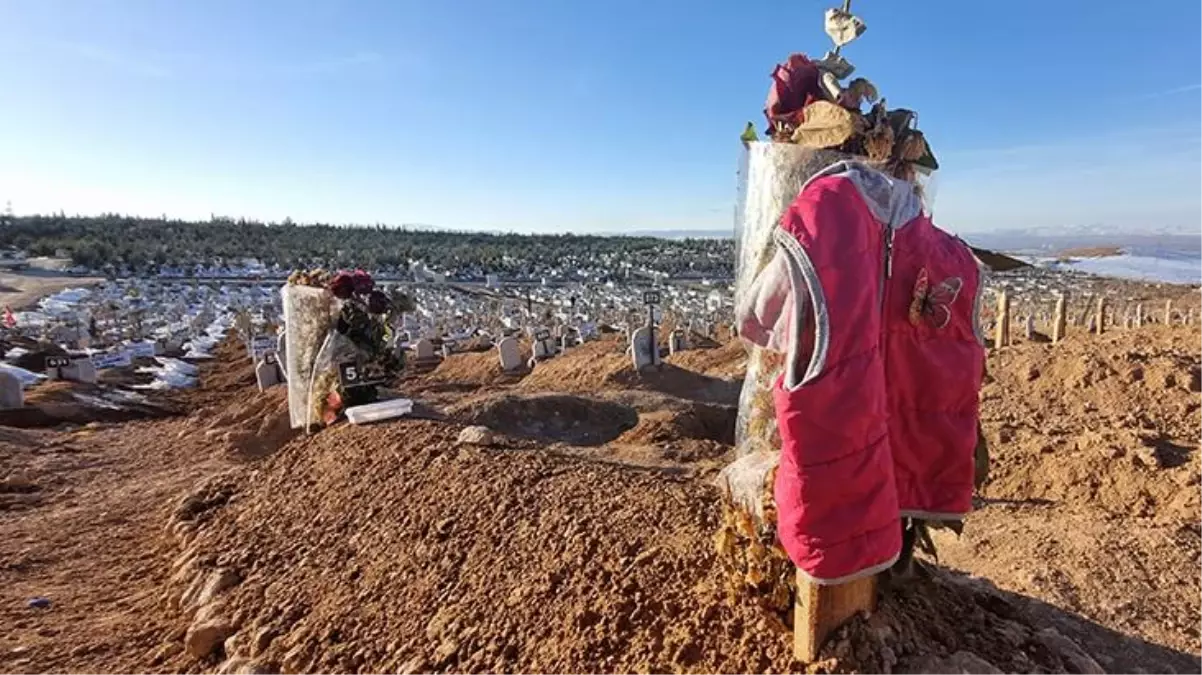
(1058, 324)
(1001, 336)
(822, 609)
(1100, 320)
(1139, 315)
(1168, 312)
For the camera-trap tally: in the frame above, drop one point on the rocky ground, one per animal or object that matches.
(575, 534)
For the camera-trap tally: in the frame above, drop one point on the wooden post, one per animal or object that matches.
(1139, 315)
(1001, 336)
(1100, 320)
(820, 610)
(1058, 322)
(1029, 328)
(1168, 312)
(1189, 317)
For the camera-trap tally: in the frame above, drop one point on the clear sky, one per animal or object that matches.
(579, 115)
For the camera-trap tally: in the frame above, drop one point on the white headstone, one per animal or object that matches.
(1030, 327)
(446, 349)
(677, 342)
(511, 356)
(12, 396)
(542, 350)
(423, 349)
(644, 353)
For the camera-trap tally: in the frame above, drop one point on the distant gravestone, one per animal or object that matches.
(447, 350)
(641, 349)
(12, 396)
(511, 356)
(267, 371)
(677, 342)
(1029, 328)
(80, 369)
(423, 349)
(544, 344)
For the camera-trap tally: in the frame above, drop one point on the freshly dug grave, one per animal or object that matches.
(390, 549)
(250, 426)
(560, 418)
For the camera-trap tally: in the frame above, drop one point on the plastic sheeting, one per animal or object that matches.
(308, 317)
(770, 178)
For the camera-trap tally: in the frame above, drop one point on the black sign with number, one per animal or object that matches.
(57, 362)
(351, 375)
(651, 297)
(542, 335)
(270, 358)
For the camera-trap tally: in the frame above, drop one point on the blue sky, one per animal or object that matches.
(567, 115)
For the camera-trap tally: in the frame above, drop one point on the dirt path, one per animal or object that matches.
(87, 534)
(23, 290)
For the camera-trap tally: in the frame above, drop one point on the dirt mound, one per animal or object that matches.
(699, 421)
(604, 365)
(728, 361)
(479, 368)
(376, 549)
(229, 372)
(58, 402)
(555, 417)
(249, 427)
(1110, 423)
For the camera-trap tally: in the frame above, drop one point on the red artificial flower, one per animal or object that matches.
(363, 282)
(342, 285)
(795, 83)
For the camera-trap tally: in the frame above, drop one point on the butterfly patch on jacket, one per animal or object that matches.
(930, 304)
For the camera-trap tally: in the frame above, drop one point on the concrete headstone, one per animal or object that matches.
(12, 395)
(267, 372)
(511, 357)
(80, 370)
(644, 353)
(423, 349)
(677, 342)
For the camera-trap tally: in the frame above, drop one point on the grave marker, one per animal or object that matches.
(651, 299)
(12, 395)
(423, 349)
(677, 341)
(267, 371)
(643, 348)
(544, 344)
(510, 355)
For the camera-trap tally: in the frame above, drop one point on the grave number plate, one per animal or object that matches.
(542, 335)
(270, 358)
(651, 298)
(348, 374)
(58, 361)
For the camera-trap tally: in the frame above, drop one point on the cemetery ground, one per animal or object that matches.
(576, 533)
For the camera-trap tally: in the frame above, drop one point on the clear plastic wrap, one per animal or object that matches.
(770, 177)
(308, 318)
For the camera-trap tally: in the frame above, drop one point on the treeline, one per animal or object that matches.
(145, 244)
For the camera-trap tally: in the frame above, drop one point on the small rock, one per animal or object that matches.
(1032, 373)
(218, 582)
(262, 640)
(477, 435)
(446, 649)
(39, 603)
(1146, 457)
(203, 638)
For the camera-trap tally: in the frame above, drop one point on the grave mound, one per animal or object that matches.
(618, 557)
(1108, 423)
(247, 427)
(563, 418)
(59, 402)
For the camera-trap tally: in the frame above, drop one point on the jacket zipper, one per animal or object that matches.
(887, 267)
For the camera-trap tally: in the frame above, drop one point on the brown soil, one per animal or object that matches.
(583, 542)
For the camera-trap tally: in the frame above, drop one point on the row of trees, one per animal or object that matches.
(144, 243)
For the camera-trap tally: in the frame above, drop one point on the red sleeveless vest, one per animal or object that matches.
(880, 421)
